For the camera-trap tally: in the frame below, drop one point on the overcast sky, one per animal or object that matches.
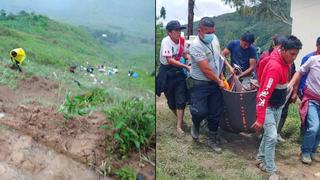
(178, 9)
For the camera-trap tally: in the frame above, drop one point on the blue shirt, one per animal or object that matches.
(304, 77)
(241, 56)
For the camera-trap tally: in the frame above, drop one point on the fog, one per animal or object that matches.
(135, 16)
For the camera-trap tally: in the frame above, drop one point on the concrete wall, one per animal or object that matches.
(305, 24)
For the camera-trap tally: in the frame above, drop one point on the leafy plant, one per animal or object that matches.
(133, 123)
(83, 104)
(126, 173)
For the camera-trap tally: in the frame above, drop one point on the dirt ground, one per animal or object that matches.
(179, 157)
(36, 142)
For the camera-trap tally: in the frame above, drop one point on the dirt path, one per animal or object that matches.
(179, 157)
(23, 158)
(43, 145)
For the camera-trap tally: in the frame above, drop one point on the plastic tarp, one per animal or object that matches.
(239, 108)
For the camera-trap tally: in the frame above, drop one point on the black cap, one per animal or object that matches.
(174, 25)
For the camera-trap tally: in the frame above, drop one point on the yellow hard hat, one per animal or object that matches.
(18, 55)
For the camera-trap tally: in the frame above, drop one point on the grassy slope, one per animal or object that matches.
(52, 46)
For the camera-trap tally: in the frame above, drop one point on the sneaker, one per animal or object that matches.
(315, 157)
(280, 139)
(195, 131)
(212, 141)
(306, 159)
(273, 176)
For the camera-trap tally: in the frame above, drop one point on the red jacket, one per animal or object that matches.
(273, 85)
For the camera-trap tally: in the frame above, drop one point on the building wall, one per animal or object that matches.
(305, 24)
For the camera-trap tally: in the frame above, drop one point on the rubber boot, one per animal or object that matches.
(212, 141)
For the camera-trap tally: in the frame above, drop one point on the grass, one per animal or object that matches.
(178, 157)
(133, 124)
(8, 77)
(52, 46)
(292, 126)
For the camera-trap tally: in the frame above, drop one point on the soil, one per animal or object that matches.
(37, 142)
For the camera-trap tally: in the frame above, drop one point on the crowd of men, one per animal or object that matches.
(199, 80)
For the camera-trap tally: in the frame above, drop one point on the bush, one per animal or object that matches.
(83, 104)
(133, 123)
(126, 174)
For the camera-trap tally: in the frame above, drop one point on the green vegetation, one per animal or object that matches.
(160, 34)
(292, 128)
(132, 49)
(7, 77)
(135, 16)
(51, 47)
(83, 104)
(231, 26)
(126, 173)
(133, 124)
(49, 42)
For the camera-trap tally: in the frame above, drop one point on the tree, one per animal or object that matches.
(3, 12)
(278, 9)
(163, 13)
(160, 34)
(23, 13)
(190, 16)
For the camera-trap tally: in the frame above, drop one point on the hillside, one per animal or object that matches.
(48, 42)
(58, 124)
(52, 46)
(135, 16)
(230, 26)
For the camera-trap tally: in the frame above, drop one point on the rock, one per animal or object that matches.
(17, 157)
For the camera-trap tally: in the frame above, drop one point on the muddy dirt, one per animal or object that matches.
(43, 144)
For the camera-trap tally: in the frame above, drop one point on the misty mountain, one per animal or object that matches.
(134, 16)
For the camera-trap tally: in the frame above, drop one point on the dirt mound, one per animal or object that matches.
(77, 140)
(40, 89)
(23, 158)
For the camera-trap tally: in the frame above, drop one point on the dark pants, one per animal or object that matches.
(206, 102)
(177, 95)
(172, 82)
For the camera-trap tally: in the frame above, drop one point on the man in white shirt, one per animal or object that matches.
(171, 78)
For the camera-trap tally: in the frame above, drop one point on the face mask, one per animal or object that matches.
(208, 38)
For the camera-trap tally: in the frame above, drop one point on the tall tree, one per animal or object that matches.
(190, 16)
(278, 9)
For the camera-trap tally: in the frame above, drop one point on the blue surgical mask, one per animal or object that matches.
(208, 38)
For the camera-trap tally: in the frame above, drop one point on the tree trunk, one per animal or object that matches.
(190, 17)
